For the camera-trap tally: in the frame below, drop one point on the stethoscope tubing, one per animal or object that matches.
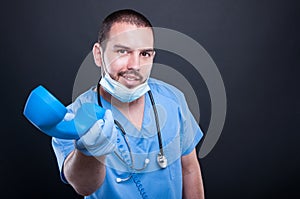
(161, 160)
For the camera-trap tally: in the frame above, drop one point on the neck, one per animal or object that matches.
(133, 111)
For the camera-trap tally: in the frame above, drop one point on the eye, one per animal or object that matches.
(145, 54)
(122, 51)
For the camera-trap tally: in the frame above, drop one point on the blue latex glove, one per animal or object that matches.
(100, 139)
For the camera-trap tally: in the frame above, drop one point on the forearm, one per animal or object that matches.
(193, 185)
(84, 168)
(191, 176)
(84, 173)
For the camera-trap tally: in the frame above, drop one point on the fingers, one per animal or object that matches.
(69, 116)
(109, 124)
(100, 139)
(90, 138)
(108, 115)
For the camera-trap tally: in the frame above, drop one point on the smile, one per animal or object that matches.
(131, 77)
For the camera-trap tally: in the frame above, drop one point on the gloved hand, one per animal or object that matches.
(100, 139)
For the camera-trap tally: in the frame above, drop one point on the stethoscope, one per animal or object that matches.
(161, 158)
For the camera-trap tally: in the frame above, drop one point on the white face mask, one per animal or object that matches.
(121, 92)
(118, 90)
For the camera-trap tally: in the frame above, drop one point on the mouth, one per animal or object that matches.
(131, 75)
(130, 78)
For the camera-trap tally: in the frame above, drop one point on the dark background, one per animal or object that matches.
(255, 45)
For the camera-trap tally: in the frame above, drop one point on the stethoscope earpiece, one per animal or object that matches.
(118, 180)
(147, 161)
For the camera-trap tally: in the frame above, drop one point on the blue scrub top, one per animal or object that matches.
(180, 134)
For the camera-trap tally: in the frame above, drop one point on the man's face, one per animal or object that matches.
(128, 54)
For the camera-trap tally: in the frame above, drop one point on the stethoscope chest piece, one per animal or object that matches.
(162, 161)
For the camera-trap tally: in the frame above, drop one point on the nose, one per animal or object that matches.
(134, 61)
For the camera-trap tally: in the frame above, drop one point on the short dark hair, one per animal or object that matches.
(120, 16)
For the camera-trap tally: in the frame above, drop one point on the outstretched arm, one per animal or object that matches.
(84, 168)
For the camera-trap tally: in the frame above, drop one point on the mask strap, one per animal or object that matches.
(98, 93)
(103, 71)
(103, 67)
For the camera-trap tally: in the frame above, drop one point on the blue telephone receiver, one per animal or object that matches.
(47, 113)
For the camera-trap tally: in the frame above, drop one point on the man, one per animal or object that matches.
(144, 147)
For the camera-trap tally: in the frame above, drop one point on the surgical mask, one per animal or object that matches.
(121, 92)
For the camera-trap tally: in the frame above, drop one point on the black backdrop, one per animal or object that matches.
(255, 45)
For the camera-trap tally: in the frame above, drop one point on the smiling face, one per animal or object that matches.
(127, 55)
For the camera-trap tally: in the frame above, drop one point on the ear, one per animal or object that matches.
(154, 54)
(97, 54)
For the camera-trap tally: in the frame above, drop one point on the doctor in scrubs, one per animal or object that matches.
(144, 147)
